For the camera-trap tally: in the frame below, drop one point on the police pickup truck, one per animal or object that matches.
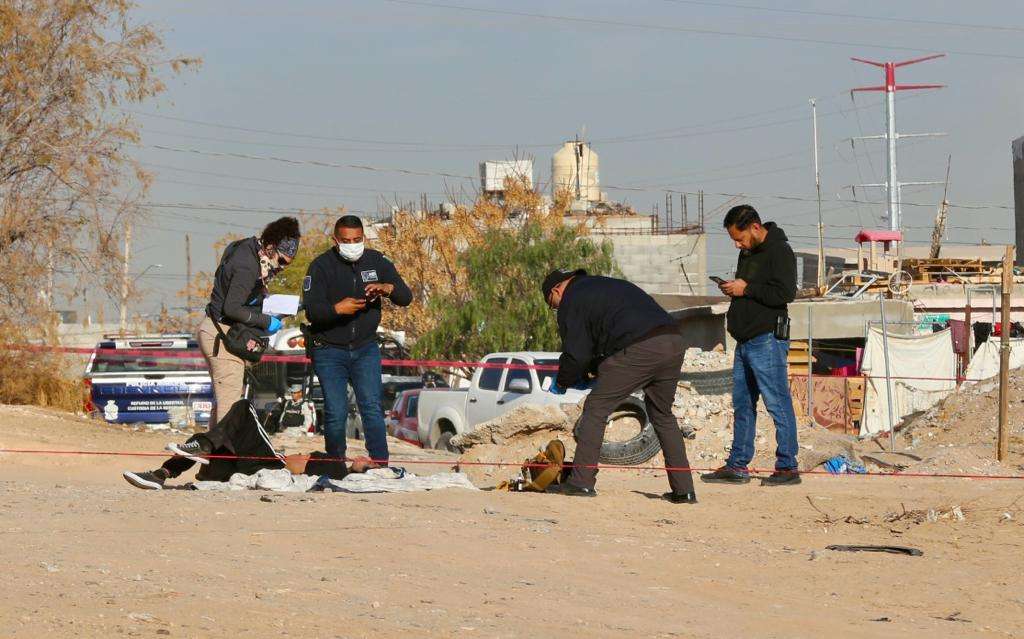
(492, 392)
(152, 379)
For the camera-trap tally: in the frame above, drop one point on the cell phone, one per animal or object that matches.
(716, 279)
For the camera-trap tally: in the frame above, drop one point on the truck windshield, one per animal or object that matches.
(546, 375)
(110, 361)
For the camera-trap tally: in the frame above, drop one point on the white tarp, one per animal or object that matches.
(380, 480)
(911, 358)
(985, 361)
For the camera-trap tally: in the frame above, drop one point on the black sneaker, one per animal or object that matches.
(681, 498)
(782, 478)
(570, 491)
(194, 450)
(148, 480)
(726, 475)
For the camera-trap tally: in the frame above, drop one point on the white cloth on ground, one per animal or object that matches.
(911, 358)
(381, 480)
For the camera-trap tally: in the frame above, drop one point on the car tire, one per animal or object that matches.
(709, 382)
(640, 448)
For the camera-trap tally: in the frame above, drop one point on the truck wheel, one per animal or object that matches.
(639, 448)
(444, 442)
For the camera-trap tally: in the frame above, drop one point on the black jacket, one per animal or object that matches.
(331, 279)
(598, 317)
(770, 273)
(238, 289)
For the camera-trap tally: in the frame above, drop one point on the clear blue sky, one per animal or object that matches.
(438, 90)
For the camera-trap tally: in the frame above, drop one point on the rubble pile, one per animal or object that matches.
(512, 438)
(699, 360)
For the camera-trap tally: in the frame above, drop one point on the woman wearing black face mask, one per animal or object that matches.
(239, 286)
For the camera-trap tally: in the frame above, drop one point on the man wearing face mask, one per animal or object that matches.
(239, 286)
(343, 293)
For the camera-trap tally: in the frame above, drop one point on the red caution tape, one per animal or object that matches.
(456, 464)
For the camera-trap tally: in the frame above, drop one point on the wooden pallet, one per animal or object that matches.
(855, 398)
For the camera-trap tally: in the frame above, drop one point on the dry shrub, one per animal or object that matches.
(39, 379)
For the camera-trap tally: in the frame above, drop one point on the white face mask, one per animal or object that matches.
(351, 252)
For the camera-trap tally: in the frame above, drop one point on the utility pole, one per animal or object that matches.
(892, 185)
(188, 276)
(940, 218)
(125, 282)
(817, 185)
(1002, 448)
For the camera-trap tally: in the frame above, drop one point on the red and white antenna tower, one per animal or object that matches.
(892, 186)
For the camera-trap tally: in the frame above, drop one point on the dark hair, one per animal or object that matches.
(741, 217)
(279, 229)
(348, 222)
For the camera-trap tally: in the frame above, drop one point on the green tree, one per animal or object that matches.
(500, 308)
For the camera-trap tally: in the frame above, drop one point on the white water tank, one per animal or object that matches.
(576, 165)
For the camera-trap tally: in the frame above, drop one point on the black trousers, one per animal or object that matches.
(651, 365)
(237, 433)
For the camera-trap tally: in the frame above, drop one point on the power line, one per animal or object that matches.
(442, 147)
(855, 16)
(320, 163)
(694, 30)
(245, 178)
(467, 177)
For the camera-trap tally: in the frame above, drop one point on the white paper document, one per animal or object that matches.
(281, 304)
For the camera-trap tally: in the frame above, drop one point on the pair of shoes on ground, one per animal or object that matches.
(726, 475)
(569, 490)
(154, 479)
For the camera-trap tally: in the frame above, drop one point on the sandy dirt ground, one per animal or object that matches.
(87, 555)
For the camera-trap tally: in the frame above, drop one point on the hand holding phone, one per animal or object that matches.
(717, 280)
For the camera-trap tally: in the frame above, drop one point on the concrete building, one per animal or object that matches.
(659, 263)
(493, 174)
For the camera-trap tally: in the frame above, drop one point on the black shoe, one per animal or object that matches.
(782, 478)
(148, 480)
(681, 498)
(726, 475)
(196, 450)
(570, 491)
(689, 434)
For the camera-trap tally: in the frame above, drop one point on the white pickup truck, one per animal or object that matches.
(444, 413)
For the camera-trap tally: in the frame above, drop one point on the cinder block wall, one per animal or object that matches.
(662, 264)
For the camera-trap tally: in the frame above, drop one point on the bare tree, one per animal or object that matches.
(66, 181)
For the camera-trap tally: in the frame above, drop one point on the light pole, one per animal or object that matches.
(126, 286)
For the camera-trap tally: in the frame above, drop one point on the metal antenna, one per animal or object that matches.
(892, 186)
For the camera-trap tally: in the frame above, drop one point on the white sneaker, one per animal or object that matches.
(191, 450)
(146, 481)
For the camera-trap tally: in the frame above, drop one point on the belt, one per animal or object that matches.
(658, 331)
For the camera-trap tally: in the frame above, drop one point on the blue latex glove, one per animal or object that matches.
(275, 325)
(556, 389)
(582, 386)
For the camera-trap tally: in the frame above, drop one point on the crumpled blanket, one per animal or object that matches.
(380, 480)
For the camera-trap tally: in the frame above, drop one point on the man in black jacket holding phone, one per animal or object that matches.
(612, 329)
(343, 293)
(758, 319)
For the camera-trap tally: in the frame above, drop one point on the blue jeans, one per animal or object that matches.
(336, 368)
(759, 370)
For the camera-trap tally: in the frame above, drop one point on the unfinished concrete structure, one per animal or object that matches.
(661, 263)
